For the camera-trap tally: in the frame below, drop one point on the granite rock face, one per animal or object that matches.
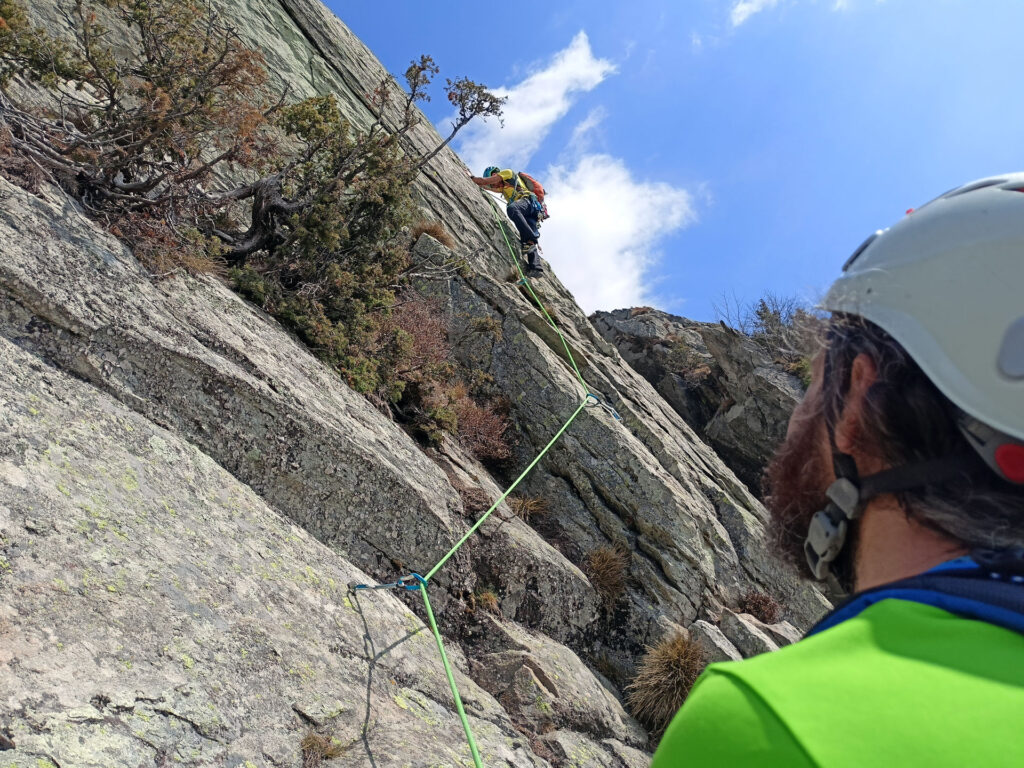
(185, 493)
(723, 384)
(157, 611)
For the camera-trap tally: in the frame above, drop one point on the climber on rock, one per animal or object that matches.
(523, 209)
(901, 479)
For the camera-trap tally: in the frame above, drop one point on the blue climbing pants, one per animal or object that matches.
(525, 218)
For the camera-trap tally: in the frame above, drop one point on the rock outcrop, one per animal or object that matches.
(726, 387)
(186, 492)
(157, 611)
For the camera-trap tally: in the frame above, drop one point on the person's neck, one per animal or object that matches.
(890, 546)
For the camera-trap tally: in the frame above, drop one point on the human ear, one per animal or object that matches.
(863, 373)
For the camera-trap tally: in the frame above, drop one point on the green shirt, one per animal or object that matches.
(900, 684)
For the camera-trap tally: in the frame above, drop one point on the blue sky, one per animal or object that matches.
(698, 149)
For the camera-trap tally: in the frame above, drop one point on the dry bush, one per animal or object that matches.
(487, 600)
(486, 326)
(482, 430)
(606, 569)
(316, 748)
(427, 352)
(474, 498)
(801, 369)
(693, 367)
(17, 169)
(433, 228)
(666, 674)
(526, 507)
(761, 606)
(640, 311)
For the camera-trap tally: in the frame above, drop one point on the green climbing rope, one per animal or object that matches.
(451, 678)
(526, 281)
(408, 584)
(511, 488)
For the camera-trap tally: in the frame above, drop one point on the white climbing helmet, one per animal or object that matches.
(947, 282)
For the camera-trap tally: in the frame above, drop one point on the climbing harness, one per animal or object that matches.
(414, 581)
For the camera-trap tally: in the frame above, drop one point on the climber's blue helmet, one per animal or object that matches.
(491, 170)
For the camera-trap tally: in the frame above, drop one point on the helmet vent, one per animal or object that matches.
(863, 247)
(975, 186)
(1011, 353)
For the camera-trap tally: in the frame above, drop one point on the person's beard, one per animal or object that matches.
(795, 481)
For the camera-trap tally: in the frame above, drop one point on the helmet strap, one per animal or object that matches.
(829, 530)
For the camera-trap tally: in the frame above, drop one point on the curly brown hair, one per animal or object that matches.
(908, 420)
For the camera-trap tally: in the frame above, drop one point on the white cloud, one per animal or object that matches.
(584, 129)
(533, 106)
(604, 230)
(744, 9)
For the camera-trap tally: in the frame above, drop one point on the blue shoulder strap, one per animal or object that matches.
(982, 587)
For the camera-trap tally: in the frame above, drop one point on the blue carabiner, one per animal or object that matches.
(415, 585)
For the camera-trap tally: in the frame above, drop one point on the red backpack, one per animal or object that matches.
(537, 189)
(533, 185)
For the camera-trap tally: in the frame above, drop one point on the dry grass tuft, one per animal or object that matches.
(435, 229)
(316, 748)
(640, 311)
(525, 507)
(761, 606)
(606, 569)
(488, 601)
(666, 674)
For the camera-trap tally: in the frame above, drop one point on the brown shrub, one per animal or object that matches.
(687, 363)
(801, 369)
(606, 569)
(760, 606)
(640, 311)
(666, 674)
(427, 353)
(525, 507)
(316, 748)
(487, 600)
(482, 429)
(474, 498)
(433, 228)
(486, 326)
